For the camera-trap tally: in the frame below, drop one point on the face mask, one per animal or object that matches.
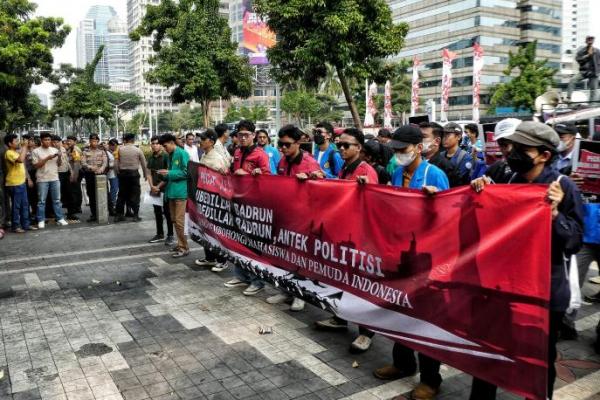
(319, 139)
(427, 146)
(405, 159)
(520, 161)
(563, 145)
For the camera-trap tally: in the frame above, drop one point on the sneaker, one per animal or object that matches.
(19, 230)
(32, 228)
(594, 298)
(297, 305)
(235, 282)
(156, 239)
(219, 267)
(205, 263)
(41, 225)
(332, 324)
(360, 344)
(181, 253)
(595, 279)
(279, 298)
(170, 241)
(389, 372)
(424, 392)
(252, 290)
(62, 222)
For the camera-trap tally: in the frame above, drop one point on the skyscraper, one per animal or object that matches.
(156, 97)
(499, 26)
(102, 26)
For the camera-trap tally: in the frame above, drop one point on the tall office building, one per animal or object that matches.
(499, 26)
(155, 97)
(102, 26)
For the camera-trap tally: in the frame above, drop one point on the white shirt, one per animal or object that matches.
(192, 152)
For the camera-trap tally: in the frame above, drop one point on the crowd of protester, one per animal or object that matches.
(43, 177)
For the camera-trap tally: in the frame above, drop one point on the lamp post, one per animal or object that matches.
(100, 126)
(116, 106)
(57, 125)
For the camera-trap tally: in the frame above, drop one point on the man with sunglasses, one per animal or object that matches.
(325, 152)
(354, 169)
(248, 159)
(264, 142)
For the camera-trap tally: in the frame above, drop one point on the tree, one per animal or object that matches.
(533, 79)
(300, 105)
(30, 112)
(195, 54)
(188, 118)
(26, 45)
(139, 120)
(351, 35)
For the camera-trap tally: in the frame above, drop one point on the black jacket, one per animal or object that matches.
(567, 235)
(449, 169)
(589, 65)
(499, 172)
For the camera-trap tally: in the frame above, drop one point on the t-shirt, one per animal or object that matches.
(426, 174)
(15, 171)
(49, 172)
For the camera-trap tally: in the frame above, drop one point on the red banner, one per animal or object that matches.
(462, 277)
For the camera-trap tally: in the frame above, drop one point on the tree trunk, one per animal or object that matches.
(349, 99)
(206, 112)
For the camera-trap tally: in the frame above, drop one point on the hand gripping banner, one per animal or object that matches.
(460, 276)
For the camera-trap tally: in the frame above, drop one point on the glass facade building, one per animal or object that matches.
(499, 26)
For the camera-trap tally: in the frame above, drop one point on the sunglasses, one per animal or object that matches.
(346, 145)
(286, 145)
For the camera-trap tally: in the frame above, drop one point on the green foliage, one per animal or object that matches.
(188, 118)
(26, 44)
(139, 120)
(300, 105)
(30, 112)
(256, 112)
(533, 79)
(351, 35)
(195, 54)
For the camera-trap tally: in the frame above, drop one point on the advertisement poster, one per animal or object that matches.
(257, 37)
(586, 163)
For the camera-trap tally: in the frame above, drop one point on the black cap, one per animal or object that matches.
(453, 127)
(209, 134)
(405, 136)
(566, 128)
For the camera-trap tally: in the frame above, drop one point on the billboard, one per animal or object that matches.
(256, 35)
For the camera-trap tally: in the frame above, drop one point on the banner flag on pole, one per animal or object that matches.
(369, 121)
(414, 105)
(477, 68)
(387, 107)
(448, 57)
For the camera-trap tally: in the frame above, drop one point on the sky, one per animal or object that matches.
(72, 12)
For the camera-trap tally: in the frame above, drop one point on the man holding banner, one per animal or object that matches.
(534, 150)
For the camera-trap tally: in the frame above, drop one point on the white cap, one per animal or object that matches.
(506, 127)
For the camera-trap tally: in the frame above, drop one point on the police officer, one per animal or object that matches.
(93, 163)
(131, 159)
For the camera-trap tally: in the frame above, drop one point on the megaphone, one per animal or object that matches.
(548, 101)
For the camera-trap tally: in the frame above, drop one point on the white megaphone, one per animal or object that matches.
(547, 102)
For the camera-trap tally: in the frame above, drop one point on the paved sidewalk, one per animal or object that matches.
(95, 312)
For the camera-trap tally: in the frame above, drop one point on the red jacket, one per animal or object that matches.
(359, 168)
(303, 163)
(251, 158)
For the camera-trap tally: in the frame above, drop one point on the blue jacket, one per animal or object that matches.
(567, 235)
(274, 158)
(331, 171)
(463, 162)
(426, 175)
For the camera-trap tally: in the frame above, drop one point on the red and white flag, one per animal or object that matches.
(414, 105)
(477, 67)
(371, 107)
(448, 56)
(387, 106)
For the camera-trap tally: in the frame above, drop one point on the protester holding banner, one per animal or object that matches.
(215, 161)
(415, 173)
(176, 192)
(535, 147)
(432, 141)
(350, 145)
(326, 152)
(248, 159)
(460, 158)
(500, 172)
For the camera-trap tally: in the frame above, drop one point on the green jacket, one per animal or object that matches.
(177, 176)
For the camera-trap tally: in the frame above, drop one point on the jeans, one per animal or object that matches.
(158, 218)
(20, 206)
(592, 85)
(247, 277)
(54, 189)
(482, 390)
(113, 184)
(429, 368)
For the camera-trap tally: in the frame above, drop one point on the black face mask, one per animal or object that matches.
(519, 161)
(319, 139)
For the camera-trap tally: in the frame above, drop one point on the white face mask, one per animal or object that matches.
(405, 159)
(427, 146)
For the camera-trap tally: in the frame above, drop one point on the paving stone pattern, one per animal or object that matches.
(120, 319)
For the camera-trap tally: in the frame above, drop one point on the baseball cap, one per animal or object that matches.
(566, 129)
(209, 134)
(530, 133)
(405, 136)
(505, 128)
(453, 127)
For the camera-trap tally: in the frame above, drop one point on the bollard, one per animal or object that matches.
(102, 199)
